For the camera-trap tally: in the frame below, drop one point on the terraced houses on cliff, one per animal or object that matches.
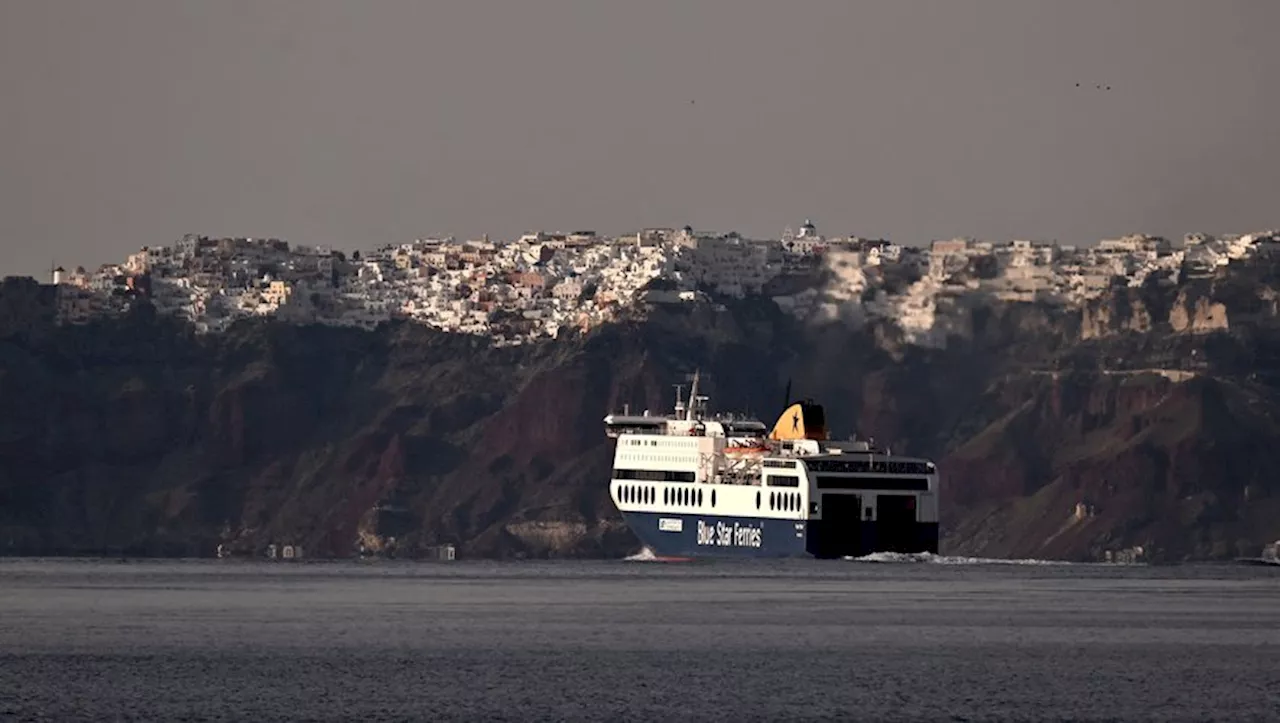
(542, 283)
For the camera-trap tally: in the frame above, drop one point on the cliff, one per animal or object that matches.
(1144, 419)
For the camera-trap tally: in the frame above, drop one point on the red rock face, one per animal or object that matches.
(1134, 450)
(134, 435)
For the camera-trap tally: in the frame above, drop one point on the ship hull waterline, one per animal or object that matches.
(687, 536)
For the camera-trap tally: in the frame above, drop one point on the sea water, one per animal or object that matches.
(887, 638)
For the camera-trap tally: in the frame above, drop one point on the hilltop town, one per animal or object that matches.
(540, 284)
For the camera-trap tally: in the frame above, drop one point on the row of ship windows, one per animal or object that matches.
(684, 443)
(683, 496)
(689, 497)
(826, 465)
(676, 459)
(654, 475)
(782, 501)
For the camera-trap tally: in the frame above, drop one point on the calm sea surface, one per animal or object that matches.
(628, 640)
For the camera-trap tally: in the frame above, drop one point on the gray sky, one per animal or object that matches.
(130, 122)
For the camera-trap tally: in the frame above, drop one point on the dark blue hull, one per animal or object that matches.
(695, 535)
(677, 535)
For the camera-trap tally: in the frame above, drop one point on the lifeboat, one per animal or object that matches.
(749, 448)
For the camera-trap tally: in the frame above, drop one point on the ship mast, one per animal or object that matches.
(693, 397)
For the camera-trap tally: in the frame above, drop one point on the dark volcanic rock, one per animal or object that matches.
(1152, 412)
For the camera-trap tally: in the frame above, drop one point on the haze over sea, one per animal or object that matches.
(630, 640)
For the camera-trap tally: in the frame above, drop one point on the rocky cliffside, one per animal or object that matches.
(1060, 433)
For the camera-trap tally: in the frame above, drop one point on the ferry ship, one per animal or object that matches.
(690, 484)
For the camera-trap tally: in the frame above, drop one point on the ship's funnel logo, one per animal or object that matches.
(807, 422)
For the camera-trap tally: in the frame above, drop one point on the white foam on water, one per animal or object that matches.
(928, 557)
(647, 555)
(644, 555)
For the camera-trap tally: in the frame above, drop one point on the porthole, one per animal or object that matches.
(757, 499)
(773, 500)
(713, 498)
(699, 498)
(665, 497)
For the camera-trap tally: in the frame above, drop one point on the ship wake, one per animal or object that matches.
(647, 555)
(644, 555)
(930, 558)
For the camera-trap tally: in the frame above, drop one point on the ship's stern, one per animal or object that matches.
(855, 523)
